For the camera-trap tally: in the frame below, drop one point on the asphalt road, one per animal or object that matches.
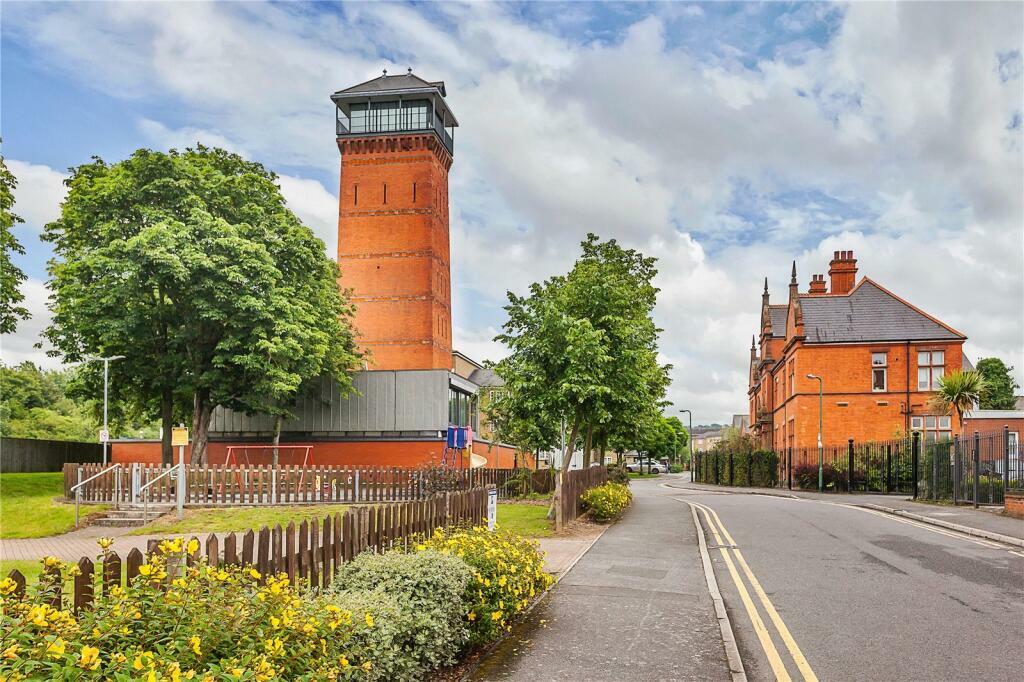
(863, 595)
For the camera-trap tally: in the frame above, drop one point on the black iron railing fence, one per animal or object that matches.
(972, 468)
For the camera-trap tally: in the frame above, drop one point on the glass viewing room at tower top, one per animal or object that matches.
(395, 104)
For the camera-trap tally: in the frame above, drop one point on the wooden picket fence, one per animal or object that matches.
(266, 485)
(309, 553)
(575, 483)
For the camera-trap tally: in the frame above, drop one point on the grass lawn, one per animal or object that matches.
(634, 474)
(27, 509)
(526, 519)
(29, 569)
(32, 568)
(204, 521)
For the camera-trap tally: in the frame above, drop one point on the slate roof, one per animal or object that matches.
(868, 313)
(405, 81)
(485, 376)
(777, 314)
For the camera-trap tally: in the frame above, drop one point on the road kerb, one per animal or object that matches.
(732, 651)
(966, 530)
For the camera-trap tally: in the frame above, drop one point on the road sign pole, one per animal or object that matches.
(106, 431)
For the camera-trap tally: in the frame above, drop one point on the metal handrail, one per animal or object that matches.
(145, 488)
(76, 489)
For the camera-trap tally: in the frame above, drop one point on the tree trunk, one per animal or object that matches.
(570, 446)
(603, 446)
(201, 413)
(588, 446)
(277, 438)
(167, 425)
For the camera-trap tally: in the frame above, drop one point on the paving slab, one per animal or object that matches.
(986, 519)
(635, 606)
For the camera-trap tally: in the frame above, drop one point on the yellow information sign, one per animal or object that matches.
(179, 436)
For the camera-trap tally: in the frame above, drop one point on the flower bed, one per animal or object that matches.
(387, 616)
(607, 501)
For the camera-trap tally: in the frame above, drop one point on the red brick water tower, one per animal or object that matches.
(395, 138)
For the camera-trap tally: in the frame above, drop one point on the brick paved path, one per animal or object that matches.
(561, 552)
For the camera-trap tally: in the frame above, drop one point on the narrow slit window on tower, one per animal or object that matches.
(355, 195)
(385, 192)
(414, 192)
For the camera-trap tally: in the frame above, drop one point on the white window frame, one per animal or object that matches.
(880, 363)
(933, 369)
(940, 429)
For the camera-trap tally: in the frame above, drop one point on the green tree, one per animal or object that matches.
(1000, 387)
(191, 266)
(584, 347)
(958, 393)
(11, 276)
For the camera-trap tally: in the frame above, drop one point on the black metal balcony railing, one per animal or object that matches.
(341, 130)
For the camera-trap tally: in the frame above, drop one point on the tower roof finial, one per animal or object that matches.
(385, 73)
(766, 285)
(409, 71)
(792, 277)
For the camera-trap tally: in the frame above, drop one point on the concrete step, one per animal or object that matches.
(135, 513)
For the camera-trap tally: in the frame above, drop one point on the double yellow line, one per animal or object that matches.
(728, 549)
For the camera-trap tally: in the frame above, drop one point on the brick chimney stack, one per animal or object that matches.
(817, 286)
(842, 272)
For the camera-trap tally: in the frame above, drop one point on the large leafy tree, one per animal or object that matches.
(584, 347)
(191, 266)
(1000, 387)
(11, 276)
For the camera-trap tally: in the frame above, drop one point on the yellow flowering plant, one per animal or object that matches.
(607, 501)
(175, 622)
(508, 574)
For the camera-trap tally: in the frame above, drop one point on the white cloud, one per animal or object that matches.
(893, 139)
(315, 207)
(20, 346)
(181, 138)
(39, 192)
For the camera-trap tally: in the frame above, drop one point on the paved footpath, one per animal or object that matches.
(989, 521)
(635, 606)
(560, 552)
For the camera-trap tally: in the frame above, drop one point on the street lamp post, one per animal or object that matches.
(689, 440)
(106, 383)
(820, 453)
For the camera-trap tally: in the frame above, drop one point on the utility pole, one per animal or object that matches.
(105, 433)
(820, 452)
(689, 441)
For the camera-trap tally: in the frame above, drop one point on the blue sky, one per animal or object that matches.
(727, 139)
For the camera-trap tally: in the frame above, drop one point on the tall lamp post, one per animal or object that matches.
(689, 440)
(820, 453)
(106, 383)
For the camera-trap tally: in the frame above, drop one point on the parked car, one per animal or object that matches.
(640, 467)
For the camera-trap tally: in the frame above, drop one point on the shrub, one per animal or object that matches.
(617, 474)
(391, 643)
(606, 501)
(508, 573)
(429, 587)
(806, 476)
(676, 469)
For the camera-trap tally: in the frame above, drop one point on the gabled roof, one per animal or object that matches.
(385, 83)
(777, 315)
(869, 313)
(485, 376)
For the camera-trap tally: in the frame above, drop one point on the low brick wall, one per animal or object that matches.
(1015, 503)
